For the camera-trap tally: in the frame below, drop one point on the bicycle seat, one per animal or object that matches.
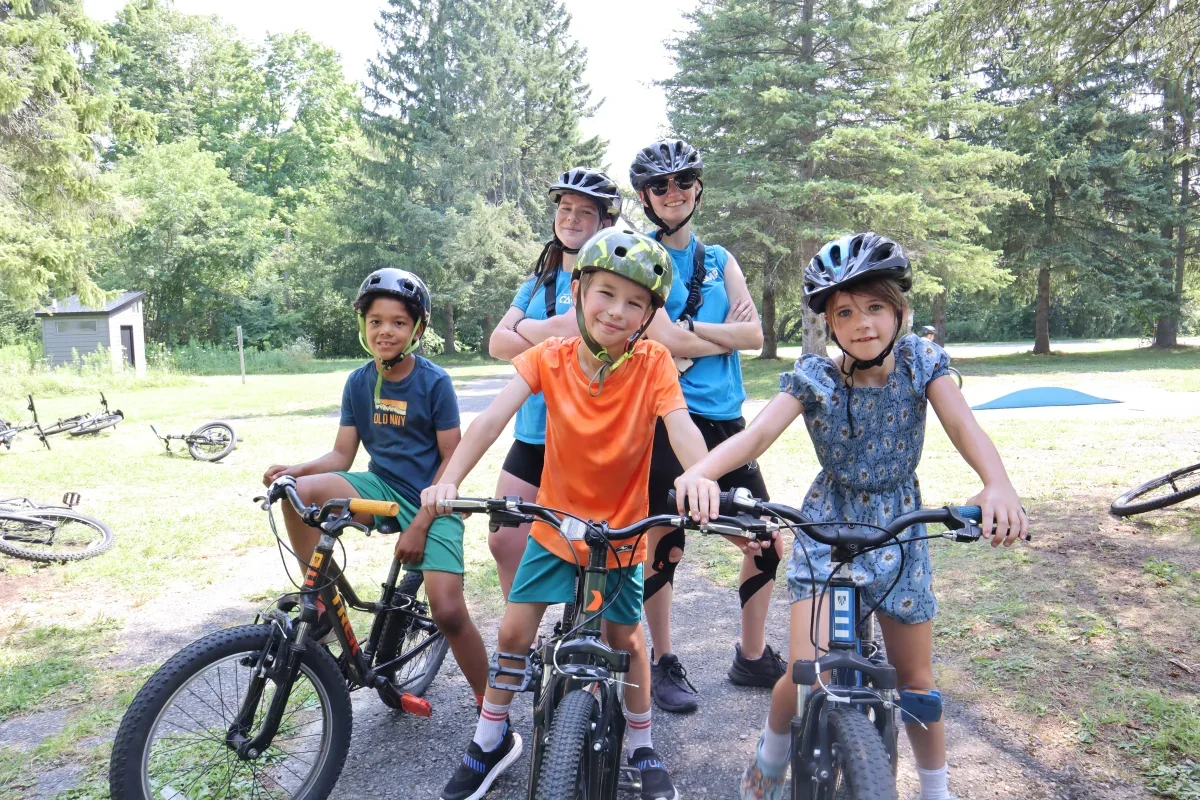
(389, 525)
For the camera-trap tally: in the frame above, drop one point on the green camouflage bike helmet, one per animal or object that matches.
(631, 255)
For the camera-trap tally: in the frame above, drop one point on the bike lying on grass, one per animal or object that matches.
(1172, 488)
(9, 430)
(264, 710)
(39, 532)
(93, 425)
(212, 441)
(576, 679)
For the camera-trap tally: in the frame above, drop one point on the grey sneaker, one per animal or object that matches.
(763, 672)
(670, 687)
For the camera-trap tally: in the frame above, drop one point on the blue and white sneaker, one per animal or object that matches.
(656, 781)
(478, 769)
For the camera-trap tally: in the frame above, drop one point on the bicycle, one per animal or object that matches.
(9, 430)
(263, 710)
(575, 678)
(1174, 487)
(47, 533)
(210, 442)
(956, 375)
(844, 735)
(93, 425)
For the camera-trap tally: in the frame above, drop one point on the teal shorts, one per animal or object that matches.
(543, 577)
(443, 544)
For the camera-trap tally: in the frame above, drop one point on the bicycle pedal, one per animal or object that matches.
(412, 704)
(630, 779)
(71, 499)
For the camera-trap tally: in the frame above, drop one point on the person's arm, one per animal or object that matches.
(484, 431)
(998, 499)
(537, 331)
(733, 335)
(680, 342)
(410, 546)
(339, 459)
(505, 343)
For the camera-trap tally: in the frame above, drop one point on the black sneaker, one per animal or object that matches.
(764, 671)
(656, 781)
(670, 687)
(479, 769)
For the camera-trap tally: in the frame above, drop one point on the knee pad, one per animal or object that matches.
(920, 705)
(768, 568)
(663, 565)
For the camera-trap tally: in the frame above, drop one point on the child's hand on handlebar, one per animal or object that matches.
(433, 495)
(278, 471)
(698, 497)
(1002, 507)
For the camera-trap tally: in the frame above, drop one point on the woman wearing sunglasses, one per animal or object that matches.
(709, 316)
(585, 200)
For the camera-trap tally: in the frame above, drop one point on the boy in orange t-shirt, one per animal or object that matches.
(604, 393)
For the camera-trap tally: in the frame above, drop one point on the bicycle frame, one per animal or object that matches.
(10, 433)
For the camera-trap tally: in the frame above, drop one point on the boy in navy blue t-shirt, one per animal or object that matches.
(403, 410)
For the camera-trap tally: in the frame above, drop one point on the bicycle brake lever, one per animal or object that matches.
(263, 502)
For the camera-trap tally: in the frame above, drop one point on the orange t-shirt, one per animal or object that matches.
(598, 448)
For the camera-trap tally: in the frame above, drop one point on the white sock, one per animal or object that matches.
(774, 748)
(490, 730)
(934, 783)
(637, 730)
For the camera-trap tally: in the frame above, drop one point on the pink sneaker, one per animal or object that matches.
(758, 785)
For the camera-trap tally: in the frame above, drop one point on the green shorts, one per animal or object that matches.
(443, 545)
(543, 577)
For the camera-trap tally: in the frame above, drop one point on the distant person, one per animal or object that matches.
(403, 410)
(708, 318)
(585, 200)
(929, 333)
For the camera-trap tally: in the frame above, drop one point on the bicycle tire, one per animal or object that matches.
(956, 375)
(98, 540)
(129, 769)
(64, 425)
(1125, 505)
(97, 424)
(400, 634)
(563, 775)
(862, 770)
(222, 436)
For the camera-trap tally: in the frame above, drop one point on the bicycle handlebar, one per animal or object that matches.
(379, 508)
(314, 515)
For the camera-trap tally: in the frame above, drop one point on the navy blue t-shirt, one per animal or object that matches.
(400, 433)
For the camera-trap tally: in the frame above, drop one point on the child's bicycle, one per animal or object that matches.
(576, 679)
(97, 423)
(844, 735)
(48, 533)
(9, 430)
(212, 441)
(263, 710)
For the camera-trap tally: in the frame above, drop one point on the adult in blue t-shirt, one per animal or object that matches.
(585, 201)
(709, 316)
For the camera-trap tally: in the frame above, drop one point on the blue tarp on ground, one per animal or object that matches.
(1042, 396)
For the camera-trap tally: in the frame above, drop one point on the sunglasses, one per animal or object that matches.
(683, 181)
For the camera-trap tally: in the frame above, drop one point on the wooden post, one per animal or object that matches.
(241, 354)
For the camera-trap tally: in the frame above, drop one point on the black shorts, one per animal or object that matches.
(665, 467)
(525, 461)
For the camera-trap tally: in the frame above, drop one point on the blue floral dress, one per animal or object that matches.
(869, 477)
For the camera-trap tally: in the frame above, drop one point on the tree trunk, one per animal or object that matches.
(770, 348)
(815, 339)
(1165, 331)
(448, 331)
(1041, 325)
(939, 318)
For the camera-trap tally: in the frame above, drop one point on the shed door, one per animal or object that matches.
(127, 343)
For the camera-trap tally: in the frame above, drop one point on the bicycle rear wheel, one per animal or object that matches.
(64, 425)
(1174, 487)
(563, 775)
(172, 741)
(402, 633)
(219, 441)
(97, 424)
(50, 535)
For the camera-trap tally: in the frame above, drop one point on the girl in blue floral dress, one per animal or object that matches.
(865, 413)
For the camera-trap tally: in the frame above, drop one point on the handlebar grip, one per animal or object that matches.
(973, 513)
(724, 502)
(380, 508)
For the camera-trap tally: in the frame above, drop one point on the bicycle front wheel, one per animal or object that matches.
(215, 441)
(563, 775)
(97, 424)
(1174, 487)
(50, 535)
(403, 633)
(861, 767)
(956, 375)
(172, 741)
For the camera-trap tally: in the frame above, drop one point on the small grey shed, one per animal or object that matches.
(69, 326)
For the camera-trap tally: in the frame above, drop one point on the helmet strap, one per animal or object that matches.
(858, 364)
(608, 364)
(385, 365)
(648, 208)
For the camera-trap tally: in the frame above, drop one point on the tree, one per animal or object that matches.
(52, 115)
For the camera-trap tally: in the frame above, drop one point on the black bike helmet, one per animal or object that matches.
(665, 157)
(928, 329)
(852, 259)
(594, 184)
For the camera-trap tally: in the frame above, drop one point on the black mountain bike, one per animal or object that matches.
(576, 679)
(48, 533)
(263, 710)
(844, 735)
(1174, 487)
(212, 441)
(9, 430)
(105, 419)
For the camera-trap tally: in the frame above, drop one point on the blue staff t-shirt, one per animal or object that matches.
(531, 416)
(713, 386)
(400, 432)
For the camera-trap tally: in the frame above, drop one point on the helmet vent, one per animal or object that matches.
(658, 270)
(375, 279)
(835, 254)
(620, 252)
